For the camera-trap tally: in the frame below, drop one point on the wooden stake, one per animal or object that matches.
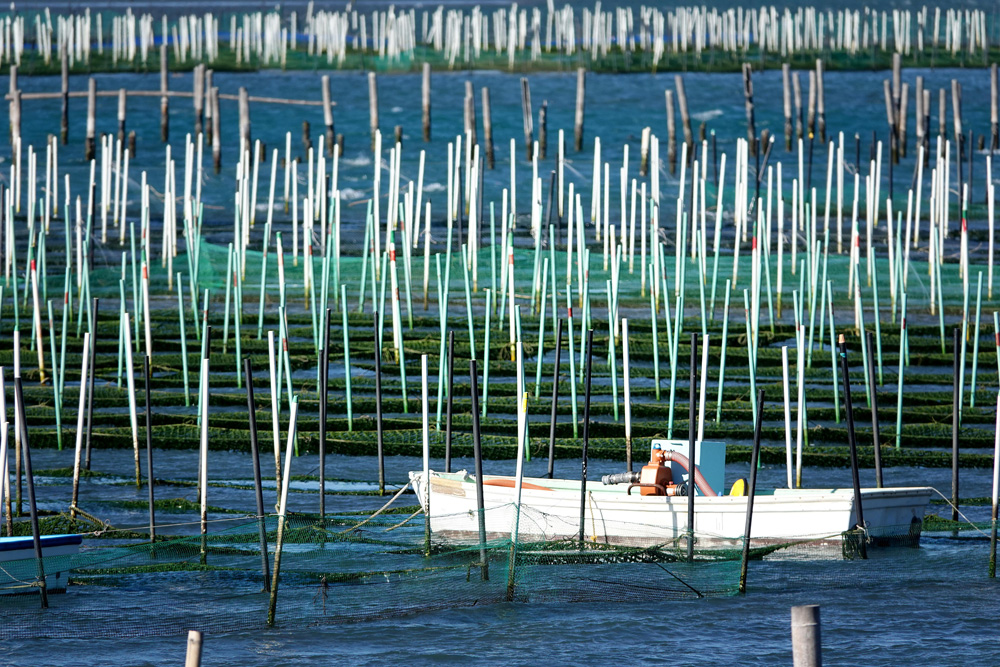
(164, 97)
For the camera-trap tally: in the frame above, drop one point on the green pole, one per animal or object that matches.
(229, 288)
(701, 294)
(813, 293)
(572, 362)
(194, 306)
(673, 368)
(936, 267)
(965, 345)
(878, 317)
(136, 302)
(534, 271)
(750, 356)
(402, 375)
(503, 282)
(365, 253)
(442, 315)
(996, 334)
(541, 328)
(613, 359)
(263, 281)
(238, 320)
(833, 356)
(822, 304)
(184, 356)
(468, 305)
(584, 315)
(722, 360)
(860, 304)
(65, 324)
(899, 380)
(767, 277)
(493, 263)
(57, 401)
(121, 333)
(486, 349)
(347, 357)
(656, 343)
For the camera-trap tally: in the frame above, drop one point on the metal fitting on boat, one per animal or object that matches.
(621, 478)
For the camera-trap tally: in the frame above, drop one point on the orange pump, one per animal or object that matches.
(655, 476)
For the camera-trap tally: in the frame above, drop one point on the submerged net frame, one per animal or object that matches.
(347, 568)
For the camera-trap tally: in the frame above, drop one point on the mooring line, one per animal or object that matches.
(967, 519)
(381, 509)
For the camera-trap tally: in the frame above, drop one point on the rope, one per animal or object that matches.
(102, 531)
(381, 509)
(965, 518)
(404, 521)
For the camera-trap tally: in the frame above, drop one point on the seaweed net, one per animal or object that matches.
(350, 568)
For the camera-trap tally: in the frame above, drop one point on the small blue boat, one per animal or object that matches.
(18, 569)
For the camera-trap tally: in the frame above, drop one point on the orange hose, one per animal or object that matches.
(685, 463)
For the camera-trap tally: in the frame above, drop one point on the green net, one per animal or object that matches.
(348, 568)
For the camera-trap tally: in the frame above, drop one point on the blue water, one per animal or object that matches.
(932, 605)
(906, 606)
(617, 109)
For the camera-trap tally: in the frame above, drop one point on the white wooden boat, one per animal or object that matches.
(17, 562)
(616, 514)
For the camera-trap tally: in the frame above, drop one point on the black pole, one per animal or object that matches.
(715, 161)
(90, 386)
(479, 221)
(972, 138)
(555, 401)
(852, 441)
(752, 491)
(552, 186)
(586, 433)
(451, 397)
(956, 422)
(461, 212)
(324, 372)
(891, 160)
(876, 436)
(255, 456)
(993, 543)
(378, 409)
(692, 433)
(756, 154)
(32, 507)
(477, 449)
(149, 453)
(809, 167)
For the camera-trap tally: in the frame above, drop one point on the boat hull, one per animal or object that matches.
(550, 509)
(18, 568)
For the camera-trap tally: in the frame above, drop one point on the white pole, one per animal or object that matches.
(293, 411)
(3, 464)
(626, 389)
(130, 378)
(274, 403)
(704, 389)
(522, 418)
(996, 459)
(426, 433)
(788, 414)
(79, 418)
(203, 457)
